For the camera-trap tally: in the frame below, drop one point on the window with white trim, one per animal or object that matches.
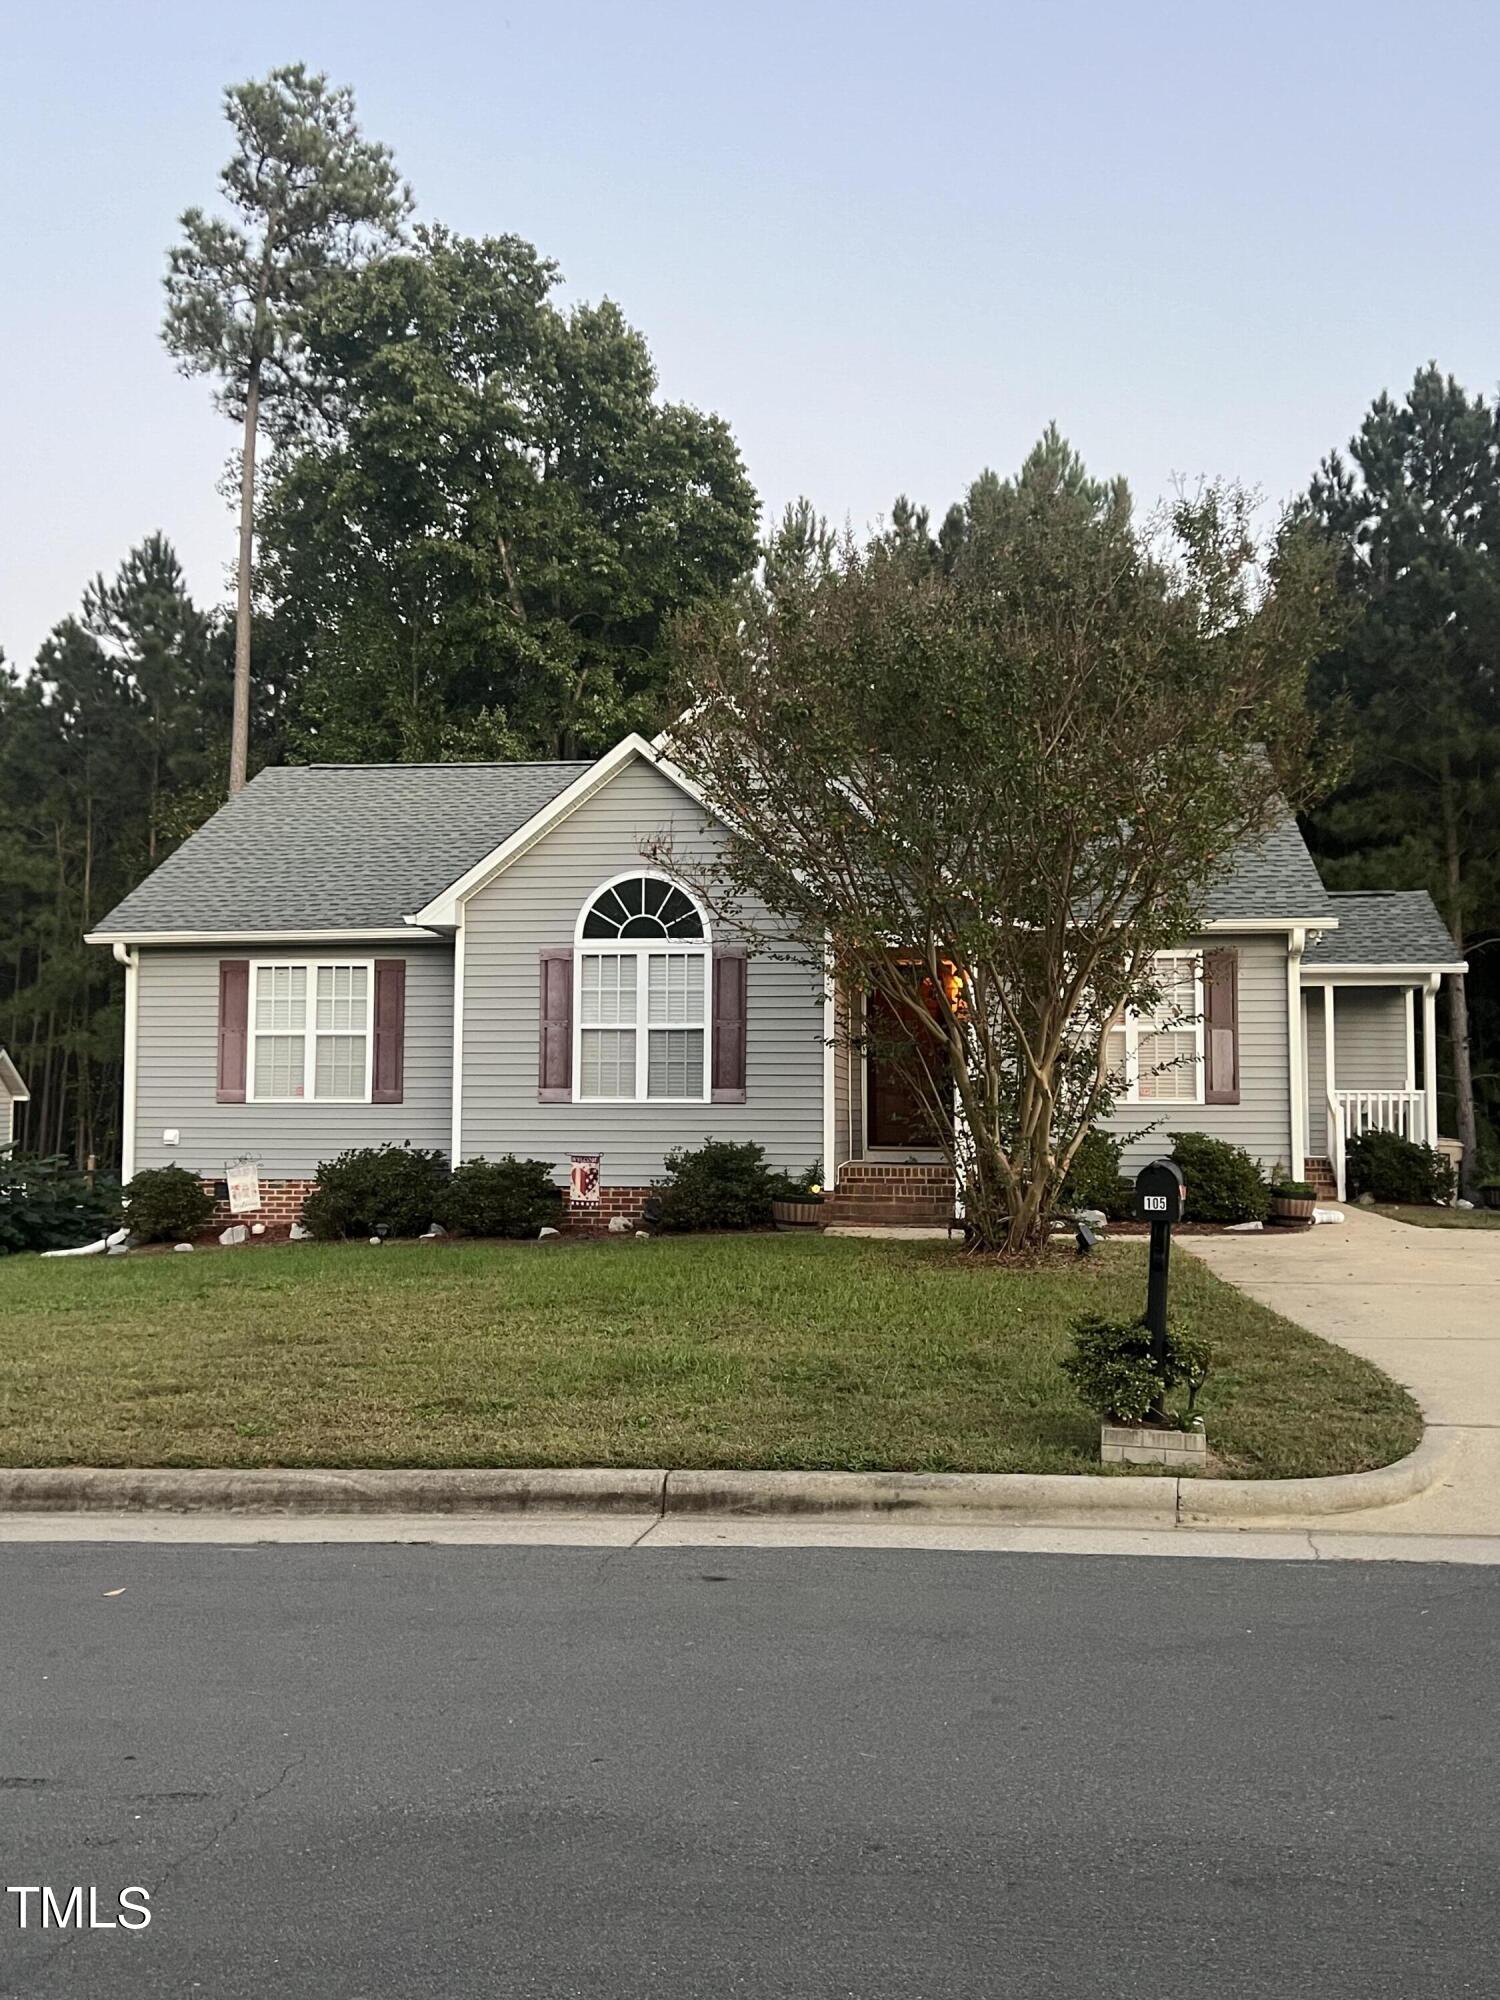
(641, 977)
(1160, 1054)
(310, 1032)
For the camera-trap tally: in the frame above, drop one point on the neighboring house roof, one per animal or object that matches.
(1384, 927)
(11, 1082)
(1275, 881)
(334, 847)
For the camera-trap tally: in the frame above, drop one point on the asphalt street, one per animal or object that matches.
(546, 1772)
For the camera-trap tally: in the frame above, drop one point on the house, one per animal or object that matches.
(13, 1091)
(479, 958)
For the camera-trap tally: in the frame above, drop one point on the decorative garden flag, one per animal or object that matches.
(583, 1180)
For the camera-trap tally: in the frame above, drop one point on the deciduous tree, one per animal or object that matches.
(989, 781)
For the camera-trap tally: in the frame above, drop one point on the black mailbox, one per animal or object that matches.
(1160, 1192)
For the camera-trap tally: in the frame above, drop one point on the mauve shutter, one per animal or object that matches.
(730, 970)
(1221, 1027)
(234, 1028)
(389, 1067)
(554, 1072)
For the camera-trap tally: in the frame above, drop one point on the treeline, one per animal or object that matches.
(475, 529)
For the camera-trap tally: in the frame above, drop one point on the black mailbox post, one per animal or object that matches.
(1160, 1198)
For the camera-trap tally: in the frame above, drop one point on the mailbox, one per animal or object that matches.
(1160, 1192)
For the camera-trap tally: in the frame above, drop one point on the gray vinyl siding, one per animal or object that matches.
(1262, 1120)
(1369, 1047)
(177, 1049)
(532, 906)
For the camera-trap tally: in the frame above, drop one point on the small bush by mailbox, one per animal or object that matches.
(1160, 1192)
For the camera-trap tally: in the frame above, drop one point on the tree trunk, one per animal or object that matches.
(1458, 998)
(239, 740)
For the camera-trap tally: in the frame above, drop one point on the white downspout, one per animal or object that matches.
(830, 1079)
(456, 1132)
(1297, 1063)
(129, 956)
(1411, 1038)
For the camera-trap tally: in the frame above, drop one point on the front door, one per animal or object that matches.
(895, 1117)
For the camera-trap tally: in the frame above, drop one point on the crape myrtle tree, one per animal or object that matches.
(308, 197)
(987, 777)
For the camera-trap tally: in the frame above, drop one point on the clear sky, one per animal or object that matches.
(888, 242)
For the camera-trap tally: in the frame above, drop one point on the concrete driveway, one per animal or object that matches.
(1424, 1305)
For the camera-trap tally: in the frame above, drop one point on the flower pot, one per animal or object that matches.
(797, 1214)
(1293, 1207)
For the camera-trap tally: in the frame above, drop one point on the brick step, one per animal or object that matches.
(887, 1211)
(869, 1173)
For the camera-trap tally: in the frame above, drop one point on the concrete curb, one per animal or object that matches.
(1066, 1498)
(1057, 1499)
(1203, 1501)
(315, 1490)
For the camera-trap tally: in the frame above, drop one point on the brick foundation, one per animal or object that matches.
(280, 1205)
(872, 1191)
(622, 1201)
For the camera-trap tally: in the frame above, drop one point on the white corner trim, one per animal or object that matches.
(443, 911)
(456, 1133)
(130, 958)
(1296, 1057)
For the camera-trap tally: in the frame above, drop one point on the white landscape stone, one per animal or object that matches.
(375, 1242)
(1244, 1228)
(619, 1225)
(299, 1234)
(182, 1246)
(257, 1229)
(547, 1232)
(235, 1233)
(1461, 1203)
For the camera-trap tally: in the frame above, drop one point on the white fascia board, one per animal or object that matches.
(1357, 975)
(1282, 925)
(10, 1076)
(445, 911)
(243, 938)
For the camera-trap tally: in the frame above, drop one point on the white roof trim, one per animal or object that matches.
(243, 937)
(10, 1076)
(1222, 924)
(445, 911)
(1331, 974)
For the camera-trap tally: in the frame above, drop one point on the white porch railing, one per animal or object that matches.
(1351, 1112)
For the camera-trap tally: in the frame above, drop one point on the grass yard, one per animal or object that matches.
(708, 1351)
(1440, 1218)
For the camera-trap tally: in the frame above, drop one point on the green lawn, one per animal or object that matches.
(1440, 1218)
(709, 1351)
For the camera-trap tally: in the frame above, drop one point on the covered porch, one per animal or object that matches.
(1370, 993)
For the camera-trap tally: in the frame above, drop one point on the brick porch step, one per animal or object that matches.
(1320, 1172)
(838, 1210)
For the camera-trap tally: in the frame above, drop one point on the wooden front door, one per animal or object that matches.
(895, 1117)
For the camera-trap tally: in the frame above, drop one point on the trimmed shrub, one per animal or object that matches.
(1094, 1180)
(45, 1204)
(163, 1203)
(505, 1197)
(396, 1188)
(1112, 1369)
(1391, 1168)
(1223, 1183)
(719, 1186)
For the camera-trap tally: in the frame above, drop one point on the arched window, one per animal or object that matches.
(641, 973)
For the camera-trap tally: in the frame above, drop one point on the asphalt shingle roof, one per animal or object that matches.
(362, 846)
(1384, 927)
(337, 846)
(1276, 879)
